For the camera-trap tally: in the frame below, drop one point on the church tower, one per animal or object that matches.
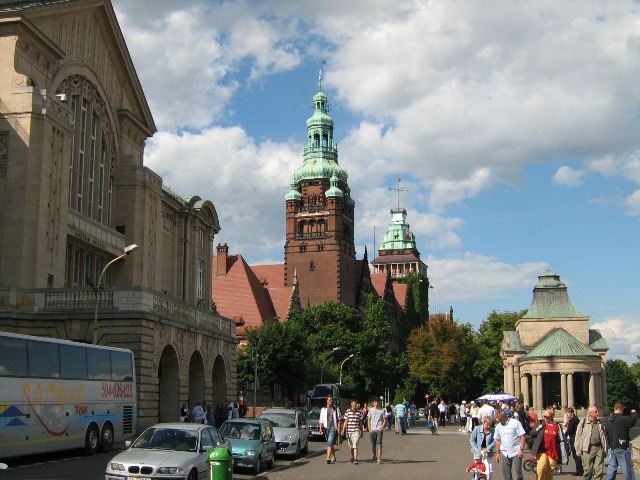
(319, 245)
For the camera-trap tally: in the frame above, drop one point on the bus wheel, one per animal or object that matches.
(91, 440)
(106, 441)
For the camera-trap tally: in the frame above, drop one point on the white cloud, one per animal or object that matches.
(568, 176)
(623, 336)
(632, 202)
(497, 278)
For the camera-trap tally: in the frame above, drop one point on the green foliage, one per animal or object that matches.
(416, 310)
(620, 385)
(442, 357)
(488, 369)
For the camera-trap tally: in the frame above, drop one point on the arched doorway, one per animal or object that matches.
(168, 386)
(219, 381)
(196, 379)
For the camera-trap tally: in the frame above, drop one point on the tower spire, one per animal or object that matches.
(324, 62)
(398, 189)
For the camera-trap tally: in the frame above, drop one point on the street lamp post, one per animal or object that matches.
(322, 364)
(436, 295)
(97, 290)
(341, 365)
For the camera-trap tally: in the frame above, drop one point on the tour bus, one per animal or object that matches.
(58, 394)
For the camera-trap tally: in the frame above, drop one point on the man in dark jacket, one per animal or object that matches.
(618, 426)
(570, 432)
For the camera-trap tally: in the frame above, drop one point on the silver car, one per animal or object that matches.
(290, 429)
(167, 450)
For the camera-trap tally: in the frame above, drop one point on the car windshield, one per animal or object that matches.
(284, 420)
(314, 415)
(241, 430)
(168, 439)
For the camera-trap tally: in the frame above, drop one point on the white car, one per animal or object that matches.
(290, 429)
(178, 451)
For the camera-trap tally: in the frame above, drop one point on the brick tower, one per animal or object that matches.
(319, 247)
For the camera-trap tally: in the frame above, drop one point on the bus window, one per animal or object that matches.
(73, 362)
(43, 360)
(13, 357)
(121, 366)
(99, 364)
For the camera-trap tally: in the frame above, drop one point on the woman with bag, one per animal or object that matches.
(548, 445)
(483, 444)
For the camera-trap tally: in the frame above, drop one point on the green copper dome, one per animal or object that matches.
(293, 194)
(316, 168)
(334, 191)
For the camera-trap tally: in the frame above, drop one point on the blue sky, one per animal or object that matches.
(515, 127)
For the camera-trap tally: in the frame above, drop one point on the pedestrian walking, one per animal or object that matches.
(548, 445)
(617, 426)
(570, 431)
(463, 415)
(352, 428)
(510, 441)
(592, 445)
(328, 425)
(432, 421)
(401, 418)
(199, 414)
(184, 413)
(389, 415)
(377, 422)
(483, 444)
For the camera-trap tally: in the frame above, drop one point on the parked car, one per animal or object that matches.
(421, 413)
(252, 442)
(167, 450)
(313, 423)
(290, 429)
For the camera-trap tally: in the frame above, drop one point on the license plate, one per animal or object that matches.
(137, 478)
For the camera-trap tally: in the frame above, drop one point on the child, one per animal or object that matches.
(477, 467)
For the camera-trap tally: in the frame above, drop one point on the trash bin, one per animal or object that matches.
(220, 464)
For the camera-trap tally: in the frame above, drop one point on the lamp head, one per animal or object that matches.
(130, 248)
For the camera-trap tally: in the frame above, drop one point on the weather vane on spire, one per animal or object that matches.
(324, 62)
(398, 189)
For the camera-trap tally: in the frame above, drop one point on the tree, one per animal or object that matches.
(488, 369)
(281, 352)
(441, 357)
(620, 387)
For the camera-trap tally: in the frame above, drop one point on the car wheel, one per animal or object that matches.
(272, 461)
(297, 452)
(91, 440)
(106, 440)
(258, 467)
(193, 475)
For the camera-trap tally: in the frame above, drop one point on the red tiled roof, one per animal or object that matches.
(379, 280)
(239, 293)
(400, 292)
(272, 274)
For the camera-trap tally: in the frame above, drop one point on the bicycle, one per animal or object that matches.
(531, 465)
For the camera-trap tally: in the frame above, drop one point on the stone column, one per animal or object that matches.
(505, 380)
(563, 389)
(570, 400)
(592, 389)
(510, 384)
(524, 383)
(539, 396)
(517, 378)
(534, 390)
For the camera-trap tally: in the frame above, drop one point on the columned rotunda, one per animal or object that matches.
(553, 357)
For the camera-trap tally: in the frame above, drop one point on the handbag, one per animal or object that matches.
(430, 424)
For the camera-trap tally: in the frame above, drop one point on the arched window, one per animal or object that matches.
(325, 140)
(92, 149)
(316, 140)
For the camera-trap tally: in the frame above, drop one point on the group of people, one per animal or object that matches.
(505, 433)
(205, 413)
(352, 425)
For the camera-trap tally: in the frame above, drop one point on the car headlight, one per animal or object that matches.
(171, 471)
(250, 453)
(290, 438)
(115, 467)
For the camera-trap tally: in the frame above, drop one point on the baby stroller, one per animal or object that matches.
(531, 465)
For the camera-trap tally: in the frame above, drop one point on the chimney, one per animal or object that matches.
(221, 267)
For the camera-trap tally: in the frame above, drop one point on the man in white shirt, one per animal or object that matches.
(486, 411)
(510, 440)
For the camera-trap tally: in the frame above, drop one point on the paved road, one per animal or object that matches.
(415, 455)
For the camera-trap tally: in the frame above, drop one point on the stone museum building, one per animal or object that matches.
(553, 357)
(75, 195)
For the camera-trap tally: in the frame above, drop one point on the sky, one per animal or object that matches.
(513, 125)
